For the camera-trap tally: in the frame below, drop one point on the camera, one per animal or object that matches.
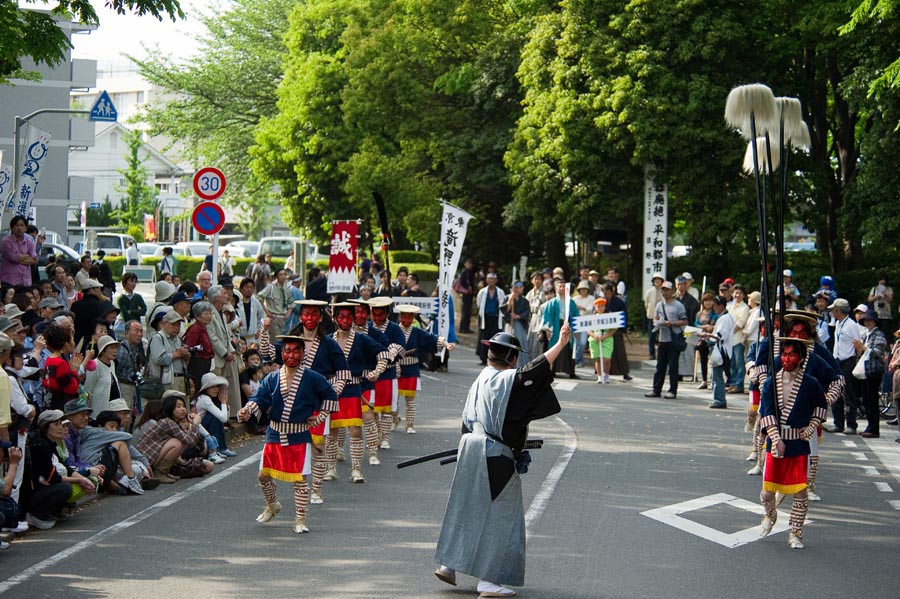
(194, 349)
(137, 378)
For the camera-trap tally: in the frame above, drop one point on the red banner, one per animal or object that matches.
(342, 262)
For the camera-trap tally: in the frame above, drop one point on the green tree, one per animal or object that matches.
(138, 198)
(36, 35)
(102, 216)
(218, 98)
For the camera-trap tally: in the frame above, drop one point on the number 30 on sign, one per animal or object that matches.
(209, 183)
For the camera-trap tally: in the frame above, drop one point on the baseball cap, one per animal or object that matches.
(117, 405)
(48, 302)
(92, 284)
(48, 416)
(839, 303)
(788, 272)
(172, 316)
(75, 406)
(666, 285)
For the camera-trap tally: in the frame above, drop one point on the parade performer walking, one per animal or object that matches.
(291, 396)
(322, 354)
(483, 533)
(792, 406)
(416, 342)
(367, 359)
(386, 391)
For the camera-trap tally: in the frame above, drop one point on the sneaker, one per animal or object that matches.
(4, 545)
(605, 379)
(228, 453)
(356, 476)
(374, 461)
(21, 527)
(215, 458)
(447, 575)
(269, 512)
(751, 458)
(300, 525)
(812, 496)
(385, 444)
(718, 406)
(757, 469)
(131, 485)
(669, 395)
(410, 430)
(38, 523)
(599, 379)
(316, 498)
(627, 378)
(795, 541)
(489, 589)
(148, 484)
(330, 474)
(703, 385)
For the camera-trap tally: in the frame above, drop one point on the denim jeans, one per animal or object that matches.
(738, 366)
(718, 384)
(580, 344)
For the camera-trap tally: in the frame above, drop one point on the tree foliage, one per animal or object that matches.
(36, 35)
(217, 98)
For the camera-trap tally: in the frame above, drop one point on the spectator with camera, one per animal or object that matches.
(130, 360)
(880, 298)
(198, 342)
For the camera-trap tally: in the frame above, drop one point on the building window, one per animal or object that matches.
(140, 97)
(113, 141)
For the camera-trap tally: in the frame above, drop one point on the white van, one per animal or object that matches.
(114, 244)
(281, 247)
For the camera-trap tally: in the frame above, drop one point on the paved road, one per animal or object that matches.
(588, 536)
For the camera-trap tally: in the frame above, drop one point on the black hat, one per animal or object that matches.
(225, 281)
(503, 339)
(870, 315)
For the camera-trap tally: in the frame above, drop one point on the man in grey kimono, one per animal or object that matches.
(483, 534)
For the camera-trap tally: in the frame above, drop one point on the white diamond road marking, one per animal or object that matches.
(564, 385)
(671, 515)
(895, 503)
(849, 443)
(859, 456)
(871, 470)
(884, 487)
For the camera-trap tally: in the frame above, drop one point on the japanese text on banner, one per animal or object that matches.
(454, 222)
(34, 154)
(656, 229)
(342, 261)
(600, 322)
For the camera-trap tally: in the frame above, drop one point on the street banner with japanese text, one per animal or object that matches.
(656, 229)
(6, 188)
(599, 322)
(454, 222)
(33, 157)
(428, 306)
(342, 262)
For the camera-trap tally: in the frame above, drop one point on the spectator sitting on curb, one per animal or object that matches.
(9, 509)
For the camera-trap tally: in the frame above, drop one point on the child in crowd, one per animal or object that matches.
(601, 345)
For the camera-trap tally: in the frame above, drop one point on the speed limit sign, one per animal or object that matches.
(209, 183)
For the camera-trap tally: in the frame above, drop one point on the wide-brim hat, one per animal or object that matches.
(793, 315)
(337, 306)
(107, 307)
(503, 339)
(312, 303)
(807, 342)
(381, 301)
(211, 379)
(164, 290)
(172, 317)
(13, 311)
(360, 302)
(75, 406)
(5, 342)
(9, 325)
(861, 308)
(104, 342)
(172, 393)
(91, 284)
(118, 405)
(297, 338)
(583, 285)
(657, 275)
(870, 315)
(407, 309)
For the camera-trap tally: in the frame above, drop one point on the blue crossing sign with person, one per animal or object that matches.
(104, 110)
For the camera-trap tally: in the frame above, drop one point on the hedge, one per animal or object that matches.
(187, 267)
(404, 257)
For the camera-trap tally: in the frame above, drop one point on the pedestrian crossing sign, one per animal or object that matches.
(103, 110)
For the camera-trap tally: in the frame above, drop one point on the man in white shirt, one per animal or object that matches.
(740, 312)
(723, 335)
(133, 254)
(846, 331)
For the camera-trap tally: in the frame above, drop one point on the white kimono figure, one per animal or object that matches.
(483, 533)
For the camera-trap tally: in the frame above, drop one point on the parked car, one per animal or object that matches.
(114, 244)
(176, 249)
(67, 257)
(250, 247)
(147, 248)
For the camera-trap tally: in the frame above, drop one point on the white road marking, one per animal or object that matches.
(564, 385)
(884, 487)
(871, 470)
(542, 498)
(142, 515)
(894, 503)
(849, 443)
(859, 456)
(887, 453)
(671, 515)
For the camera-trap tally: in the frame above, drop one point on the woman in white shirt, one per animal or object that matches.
(101, 382)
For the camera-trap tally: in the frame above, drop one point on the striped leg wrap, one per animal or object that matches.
(771, 512)
(356, 453)
(387, 421)
(410, 410)
(760, 446)
(813, 470)
(268, 491)
(301, 499)
(318, 472)
(798, 514)
(370, 429)
(341, 437)
(331, 449)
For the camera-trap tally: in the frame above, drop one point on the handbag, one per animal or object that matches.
(859, 371)
(715, 356)
(679, 343)
(458, 287)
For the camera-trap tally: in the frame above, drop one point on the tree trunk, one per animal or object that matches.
(556, 249)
